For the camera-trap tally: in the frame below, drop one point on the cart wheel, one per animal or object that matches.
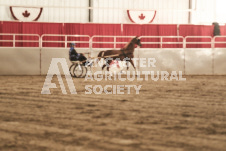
(71, 70)
(78, 70)
(84, 71)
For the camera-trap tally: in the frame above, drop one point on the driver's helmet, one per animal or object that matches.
(72, 44)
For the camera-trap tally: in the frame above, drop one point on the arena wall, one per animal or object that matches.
(198, 61)
(219, 61)
(167, 59)
(192, 61)
(19, 61)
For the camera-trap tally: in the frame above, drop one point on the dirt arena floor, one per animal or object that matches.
(166, 115)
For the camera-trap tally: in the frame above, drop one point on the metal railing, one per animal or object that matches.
(85, 41)
(215, 41)
(78, 39)
(160, 40)
(22, 39)
(210, 42)
(114, 42)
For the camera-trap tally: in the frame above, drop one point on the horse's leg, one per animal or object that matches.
(126, 60)
(104, 66)
(108, 64)
(131, 61)
(127, 64)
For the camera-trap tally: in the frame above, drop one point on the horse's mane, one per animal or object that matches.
(126, 46)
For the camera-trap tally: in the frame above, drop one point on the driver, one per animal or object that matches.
(74, 56)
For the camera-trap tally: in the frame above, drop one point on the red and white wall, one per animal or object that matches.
(115, 11)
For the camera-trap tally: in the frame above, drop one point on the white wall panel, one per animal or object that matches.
(114, 11)
(2, 10)
(198, 61)
(167, 11)
(20, 61)
(166, 59)
(205, 12)
(219, 61)
(220, 11)
(53, 10)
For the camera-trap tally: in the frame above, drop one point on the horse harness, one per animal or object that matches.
(124, 54)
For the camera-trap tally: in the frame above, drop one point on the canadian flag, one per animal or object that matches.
(26, 13)
(141, 17)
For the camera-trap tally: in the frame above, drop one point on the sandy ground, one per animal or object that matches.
(166, 115)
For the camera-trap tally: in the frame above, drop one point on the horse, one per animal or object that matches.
(125, 53)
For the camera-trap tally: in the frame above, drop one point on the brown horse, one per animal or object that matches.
(124, 54)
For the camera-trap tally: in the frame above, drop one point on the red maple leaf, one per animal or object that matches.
(26, 14)
(142, 16)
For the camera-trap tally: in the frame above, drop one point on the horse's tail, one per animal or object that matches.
(100, 55)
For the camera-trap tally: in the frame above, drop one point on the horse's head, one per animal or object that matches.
(136, 41)
(131, 45)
